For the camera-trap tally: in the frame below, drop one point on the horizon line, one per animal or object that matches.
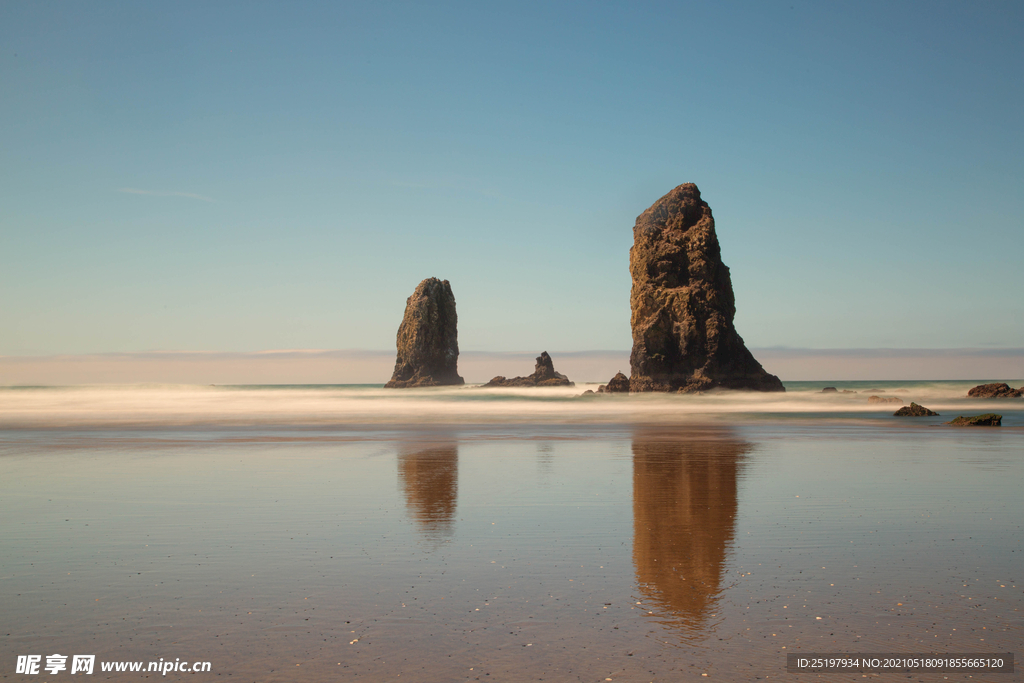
(782, 350)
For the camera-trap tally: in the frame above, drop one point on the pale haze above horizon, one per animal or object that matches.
(242, 176)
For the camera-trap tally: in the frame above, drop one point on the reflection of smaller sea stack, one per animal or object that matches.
(430, 480)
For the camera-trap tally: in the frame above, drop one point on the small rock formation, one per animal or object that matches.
(830, 390)
(428, 339)
(588, 392)
(995, 390)
(682, 304)
(544, 375)
(884, 399)
(619, 384)
(914, 410)
(986, 420)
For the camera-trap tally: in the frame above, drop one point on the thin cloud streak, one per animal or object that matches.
(156, 193)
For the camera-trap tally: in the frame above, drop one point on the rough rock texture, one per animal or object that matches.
(619, 384)
(995, 390)
(884, 399)
(683, 306)
(986, 420)
(544, 375)
(914, 410)
(428, 339)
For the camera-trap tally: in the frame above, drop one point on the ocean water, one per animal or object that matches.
(150, 406)
(353, 533)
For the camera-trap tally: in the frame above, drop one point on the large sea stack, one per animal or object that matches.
(428, 339)
(683, 306)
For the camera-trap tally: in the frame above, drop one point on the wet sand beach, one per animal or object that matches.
(511, 551)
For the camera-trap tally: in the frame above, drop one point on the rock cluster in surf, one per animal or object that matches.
(428, 339)
(914, 410)
(986, 420)
(544, 375)
(683, 306)
(995, 390)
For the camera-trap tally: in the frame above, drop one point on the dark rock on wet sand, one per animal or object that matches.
(544, 375)
(914, 410)
(619, 384)
(683, 306)
(884, 399)
(986, 420)
(995, 390)
(428, 339)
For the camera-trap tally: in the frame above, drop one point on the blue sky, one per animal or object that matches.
(247, 176)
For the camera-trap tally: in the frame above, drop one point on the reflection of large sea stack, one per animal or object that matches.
(428, 338)
(683, 305)
(684, 520)
(430, 481)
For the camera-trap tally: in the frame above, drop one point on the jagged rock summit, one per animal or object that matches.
(544, 375)
(428, 339)
(682, 304)
(619, 384)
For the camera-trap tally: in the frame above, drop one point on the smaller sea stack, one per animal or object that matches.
(544, 375)
(428, 339)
